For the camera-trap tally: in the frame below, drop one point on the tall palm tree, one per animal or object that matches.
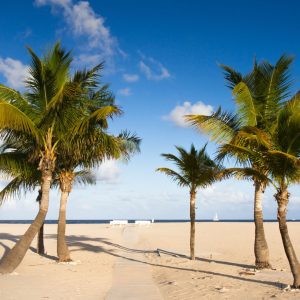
(90, 144)
(196, 170)
(21, 120)
(283, 162)
(259, 96)
(36, 122)
(279, 164)
(80, 153)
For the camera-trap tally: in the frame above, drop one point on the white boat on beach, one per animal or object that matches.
(118, 222)
(216, 218)
(142, 222)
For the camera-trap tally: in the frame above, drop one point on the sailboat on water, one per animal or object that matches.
(216, 218)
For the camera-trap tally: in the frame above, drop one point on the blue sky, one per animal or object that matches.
(161, 61)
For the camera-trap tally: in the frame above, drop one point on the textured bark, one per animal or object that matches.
(40, 249)
(282, 198)
(192, 217)
(261, 249)
(40, 241)
(63, 253)
(15, 256)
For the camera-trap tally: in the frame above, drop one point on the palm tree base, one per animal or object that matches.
(64, 260)
(262, 265)
(296, 287)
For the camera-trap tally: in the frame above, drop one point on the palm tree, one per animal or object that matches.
(279, 164)
(259, 96)
(80, 153)
(90, 144)
(22, 121)
(196, 170)
(283, 162)
(34, 123)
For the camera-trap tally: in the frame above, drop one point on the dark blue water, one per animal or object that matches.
(131, 221)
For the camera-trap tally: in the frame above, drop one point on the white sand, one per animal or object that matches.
(42, 278)
(224, 249)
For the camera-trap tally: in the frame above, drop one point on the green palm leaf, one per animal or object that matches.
(220, 126)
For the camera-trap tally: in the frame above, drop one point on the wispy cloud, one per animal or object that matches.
(224, 195)
(125, 92)
(88, 59)
(14, 71)
(83, 22)
(131, 77)
(24, 34)
(179, 111)
(153, 69)
(108, 172)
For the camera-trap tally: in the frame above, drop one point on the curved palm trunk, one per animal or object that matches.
(192, 217)
(282, 198)
(63, 252)
(40, 239)
(261, 249)
(15, 256)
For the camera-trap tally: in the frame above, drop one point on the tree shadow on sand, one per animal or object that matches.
(82, 243)
(73, 239)
(15, 239)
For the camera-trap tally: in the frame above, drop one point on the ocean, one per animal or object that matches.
(133, 220)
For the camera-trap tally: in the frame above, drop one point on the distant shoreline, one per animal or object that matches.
(130, 221)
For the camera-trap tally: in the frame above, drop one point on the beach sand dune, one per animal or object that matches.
(223, 268)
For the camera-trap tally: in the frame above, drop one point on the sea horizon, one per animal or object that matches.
(131, 221)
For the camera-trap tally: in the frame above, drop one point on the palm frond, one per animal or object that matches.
(129, 144)
(196, 168)
(175, 176)
(231, 76)
(84, 177)
(243, 155)
(246, 104)
(13, 118)
(97, 116)
(220, 126)
(244, 174)
(15, 188)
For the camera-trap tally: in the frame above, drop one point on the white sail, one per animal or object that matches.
(216, 217)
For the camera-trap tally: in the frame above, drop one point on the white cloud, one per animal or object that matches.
(295, 199)
(177, 114)
(125, 92)
(153, 69)
(84, 22)
(108, 172)
(88, 59)
(14, 72)
(224, 195)
(131, 77)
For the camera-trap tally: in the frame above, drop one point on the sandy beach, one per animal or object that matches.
(223, 268)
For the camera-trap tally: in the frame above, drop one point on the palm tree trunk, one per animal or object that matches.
(282, 198)
(65, 180)
(40, 239)
(63, 252)
(15, 256)
(261, 249)
(192, 216)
